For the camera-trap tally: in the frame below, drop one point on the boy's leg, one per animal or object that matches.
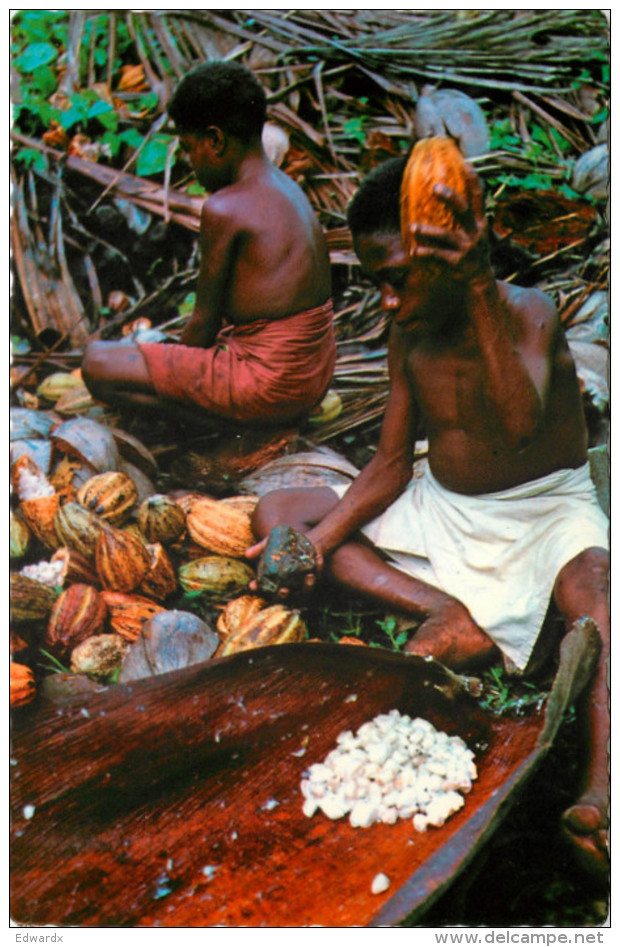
(447, 632)
(116, 374)
(582, 588)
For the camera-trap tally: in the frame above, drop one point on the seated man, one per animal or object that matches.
(506, 516)
(259, 346)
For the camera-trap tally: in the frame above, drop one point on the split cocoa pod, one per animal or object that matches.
(275, 624)
(38, 501)
(433, 161)
(236, 613)
(220, 527)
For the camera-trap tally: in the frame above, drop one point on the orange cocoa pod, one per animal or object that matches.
(122, 561)
(247, 504)
(351, 639)
(78, 613)
(128, 612)
(220, 528)
(433, 161)
(23, 688)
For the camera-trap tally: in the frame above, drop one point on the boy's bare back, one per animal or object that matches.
(278, 259)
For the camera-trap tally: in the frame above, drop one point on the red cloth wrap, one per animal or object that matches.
(272, 370)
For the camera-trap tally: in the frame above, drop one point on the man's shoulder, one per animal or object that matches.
(527, 303)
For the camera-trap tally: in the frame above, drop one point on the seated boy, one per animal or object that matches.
(506, 516)
(259, 346)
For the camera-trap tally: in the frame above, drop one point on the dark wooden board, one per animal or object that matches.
(175, 801)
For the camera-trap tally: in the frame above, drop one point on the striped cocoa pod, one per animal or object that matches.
(111, 495)
(220, 527)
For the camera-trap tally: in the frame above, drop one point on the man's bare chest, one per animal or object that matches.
(448, 387)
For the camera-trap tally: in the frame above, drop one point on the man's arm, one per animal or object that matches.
(516, 341)
(217, 253)
(388, 473)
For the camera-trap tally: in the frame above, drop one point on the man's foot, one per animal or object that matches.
(584, 828)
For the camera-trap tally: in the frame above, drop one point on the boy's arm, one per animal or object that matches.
(217, 251)
(390, 470)
(516, 370)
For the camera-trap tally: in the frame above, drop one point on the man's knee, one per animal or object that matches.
(299, 507)
(583, 580)
(267, 513)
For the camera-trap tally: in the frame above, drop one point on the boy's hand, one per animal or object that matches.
(465, 250)
(295, 576)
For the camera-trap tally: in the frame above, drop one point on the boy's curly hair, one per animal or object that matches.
(225, 94)
(375, 206)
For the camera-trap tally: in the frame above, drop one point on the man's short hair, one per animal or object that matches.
(225, 94)
(375, 206)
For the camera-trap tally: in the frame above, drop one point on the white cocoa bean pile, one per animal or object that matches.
(392, 768)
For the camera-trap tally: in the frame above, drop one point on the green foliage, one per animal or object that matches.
(55, 666)
(34, 56)
(154, 155)
(354, 128)
(397, 639)
(501, 696)
(32, 158)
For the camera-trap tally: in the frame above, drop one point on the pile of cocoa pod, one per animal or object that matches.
(102, 563)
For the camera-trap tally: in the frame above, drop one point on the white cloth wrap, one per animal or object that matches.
(498, 553)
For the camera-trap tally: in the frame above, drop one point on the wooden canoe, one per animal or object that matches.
(175, 801)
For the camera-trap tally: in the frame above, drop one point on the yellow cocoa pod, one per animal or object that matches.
(220, 527)
(78, 528)
(29, 599)
(273, 625)
(110, 495)
(219, 578)
(19, 535)
(432, 161)
(161, 519)
(237, 612)
(58, 384)
(329, 408)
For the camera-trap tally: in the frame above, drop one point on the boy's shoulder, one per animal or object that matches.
(532, 312)
(527, 302)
